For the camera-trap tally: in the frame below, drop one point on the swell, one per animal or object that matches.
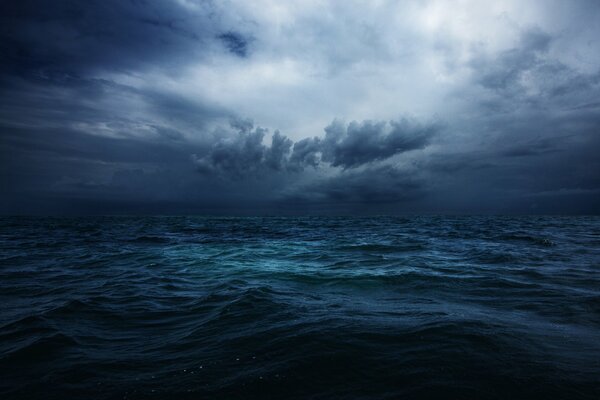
(194, 307)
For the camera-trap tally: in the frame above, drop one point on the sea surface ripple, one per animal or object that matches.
(315, 307)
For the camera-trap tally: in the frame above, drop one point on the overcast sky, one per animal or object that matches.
(304, 107)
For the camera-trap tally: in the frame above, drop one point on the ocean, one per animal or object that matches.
(416, 307)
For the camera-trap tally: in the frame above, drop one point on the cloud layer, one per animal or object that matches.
(181, 106)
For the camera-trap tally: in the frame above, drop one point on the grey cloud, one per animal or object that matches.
(360, 143)
(235, 42)
(74, 37)
(371, 185)
(526, 158)
(526, 76)
(348, 146)
(504, 71)
(306, 152)
(244, 125)
(74, 100)
(521, 128)
(235, 156)
(244, 154)
(533, 147)
(276, 155)
(62, 139)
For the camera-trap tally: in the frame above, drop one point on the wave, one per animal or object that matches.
(45, 348)
(540, 241)
(198, 307)
(150, 240)
(382, 248)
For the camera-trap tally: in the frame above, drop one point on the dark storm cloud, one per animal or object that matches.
(534, 157)
(306, 152)
(533, 147)
(98, 107)
(66, 128)
(360, 143)
(372, 185)
(122, 106)
(504, 72)
(346, 146)
(235, 156)
(276, 156)
(243, 153)
(537, 125)
(525, 76)
(235, 43)
(73, 37)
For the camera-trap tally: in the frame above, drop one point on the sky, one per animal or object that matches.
(306, 107)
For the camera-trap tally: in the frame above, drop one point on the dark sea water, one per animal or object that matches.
(325, 308)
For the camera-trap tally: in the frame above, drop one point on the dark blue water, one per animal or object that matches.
(191, 307)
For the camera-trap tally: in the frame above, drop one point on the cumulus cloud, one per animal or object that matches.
(306, 152)
(347, 146)
(241, 154)
(276, 156)
(356, 144)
